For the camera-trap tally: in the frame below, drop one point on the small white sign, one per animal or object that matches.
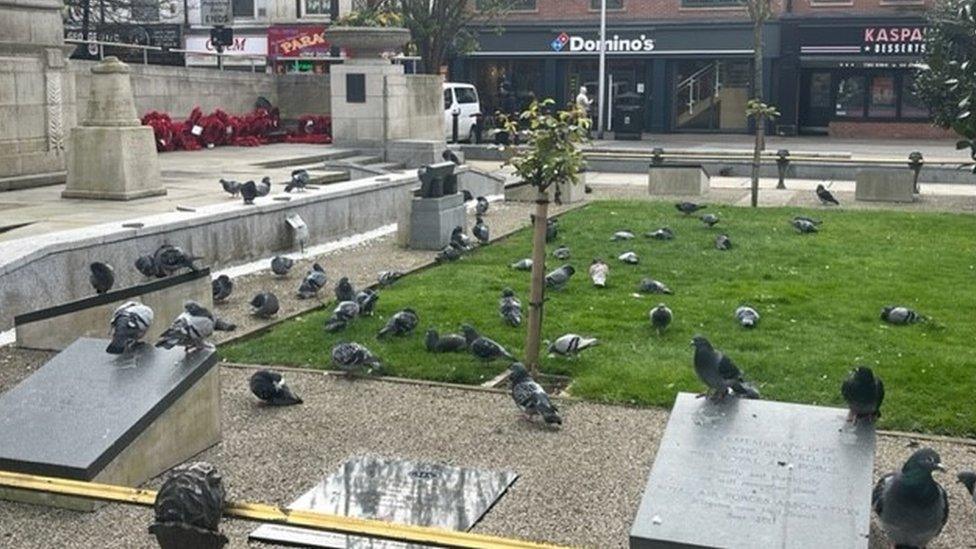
(640, 87)
(215, 12)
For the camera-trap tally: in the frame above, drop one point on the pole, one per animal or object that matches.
(603, 67)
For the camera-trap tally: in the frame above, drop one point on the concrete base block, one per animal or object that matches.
(568, 194)
(433, 219)
(689, 180)
(113, 163)
(879, 185)
(479, 183)
(414, 153)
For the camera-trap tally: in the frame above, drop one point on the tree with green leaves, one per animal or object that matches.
(760, 11)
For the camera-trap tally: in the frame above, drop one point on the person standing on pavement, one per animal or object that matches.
(584, 103)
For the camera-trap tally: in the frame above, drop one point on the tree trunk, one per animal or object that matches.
(757, 93)
(757, 157)
(533, 339)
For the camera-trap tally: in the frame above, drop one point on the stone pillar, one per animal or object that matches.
(112, 155)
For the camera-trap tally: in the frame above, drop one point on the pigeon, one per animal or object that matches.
(968, 479)
(313, 282)
(530, 397)
(342, 315)
(169, 259)
(102, 277)
(129, 325)
(468, 197)
(558, 279)
(270, 387)
(482, 206)
(189, 505)
(747, 316)
(571, 345)
(264, 187)
(448, 343)
(825, 197)
(191, 328)
(900, 315)
(482, 347)
(661, 317)
(299, 180)
(629, 257)
(587, 189)
(561, 253)
(510, 308)
(709, 219)
(911, 506)
(147, 267)
(689, 208)
(280, 265)
(459, 240)
(353, 358)
(552, 228)
(651, 286)
(387, 278)
(863, 393)
(718, 372)
(664, 233)
(808, 220)
(598, 273)
(400, 324)
(449, 156)
(222, 286)
(722, 242)
(264, 305)
(522, 265)
(249, 191)
(480, 230)
(804, 226)
(621, 235)
(449, 253)
(344, 290)
(366, 299)
(231, 187)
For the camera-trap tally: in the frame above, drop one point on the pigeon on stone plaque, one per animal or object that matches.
(449, 253)
(231, 187)
(651, 286)
(629, 258)
(804, 226)
(447, 343)
(622, 235)
(510, 308)
(354, 358)
(169, 259)
(522, 265)
(689, 208)
(313, 282)
(366, 299)
(561, 253)
(747, 316)
(147, 267)
(400, 324)
(249, 191)
(481, 207)
(344, 290)
(299, 181)
(342, 315)
(968, 479)
(189, 506)
(719, 373)
(900, 315)
(280, 265)
(480, 230)
(722, 242)
(810, 220)
(709, 219)
(387, 278)
(102, 277)
(825, 197)
(264, 305)
(271, 388)
(664, 233)
(864, 393)
(483, 347)
(557, 280)
(129, 325)
(661, 317)
(911, 506)
(222, 286)
(449, 156)
(598, 273)
(530, 397)
(459, 240)
(571, 345)
(191, 329)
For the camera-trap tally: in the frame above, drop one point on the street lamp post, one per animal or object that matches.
(603, 69)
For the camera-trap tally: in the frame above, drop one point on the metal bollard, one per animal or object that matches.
(915, 163)
(455, 115)
(657, 156)
(782, 164)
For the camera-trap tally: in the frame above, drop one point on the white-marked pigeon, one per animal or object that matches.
(661, 317)
(280, 265)
(299, 180)
(366, 299)
(510, 308)
(354, 358)
(522, 265)
(387, 278)
(129, 325)
(480, 229)
(747, 316)
(189, 505)
(718, 372)
(571, 345)
(102, 277)
(191, 328)
(622, 235)
(911, 506)
(558, 279)
(313, 282)
(664, 233)
(344, 290)
(651, 286)
(459, 240)
(169, 259)
(481, 207)
(864, 394)
(264, 305)
(900, 315)
(808, 219)
(598, 273)
(804, 226)
(222, 286)
(231, 187)
(561, 253)
(449, 253)
(722, 242)
(709, 219)
(400, 324)
(825, 197)
(447, 343)
(271, 388)
(449, 156)
(530, 397)
(689, 208)
(629, 258)
(483, 347)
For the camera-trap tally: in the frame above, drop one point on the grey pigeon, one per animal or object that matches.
(459, 240)
(449, 156)
(510, 308)
(354, 358)
(481, 208)
(344, 313)
(968, 479)
(366, 299)
(222, 286)
(722, 242)
(900, 315)
(299, 180)
(571, 345)
(344, 290)
(264, 305)
(280, 265)
(168, 259)
(864, 393)
(147, 267)
(598, 273)
(400, 324)
(387, 278)
(804, 226)
(264, 187)
(622, 235)
(480, 230)
(808, 219)
(522, 265)
(825, 197)
(271, 388)
(530, 397)
(552, 228)
(651, 286)
(102, 277)
(911, 506)
(189, 506)
(629, 258)
(747, 316)
(718, 372)
(129, 325)
(558, 279)
(689, 208)
(664, 233)
(231, 187)
(561, 253)
(449, 253)
(709, 219)
(249, 191)
(661, 317)
(313, 282)
(483, 347)
(468, 197)
(191, 328)
(447, 343)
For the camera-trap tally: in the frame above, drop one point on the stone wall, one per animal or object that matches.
(415, 108)
(300, 94)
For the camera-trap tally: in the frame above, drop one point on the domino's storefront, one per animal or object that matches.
(683, 83)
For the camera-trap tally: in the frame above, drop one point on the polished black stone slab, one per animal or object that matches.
(76, 413)
(753, 473)
(394, 490)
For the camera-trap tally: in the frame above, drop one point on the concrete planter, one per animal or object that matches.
(369, 42)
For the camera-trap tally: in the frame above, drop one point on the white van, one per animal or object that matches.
(462, 98)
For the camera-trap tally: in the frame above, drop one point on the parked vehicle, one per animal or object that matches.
(463, 99)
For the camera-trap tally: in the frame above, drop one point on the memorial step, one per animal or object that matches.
(327, 156)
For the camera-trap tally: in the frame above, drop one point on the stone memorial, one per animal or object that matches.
(437, 209)
(753, 473)
(115, 419)
(884, 185)
(401, 491)
(677, 179)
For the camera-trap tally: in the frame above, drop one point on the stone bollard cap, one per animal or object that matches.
(111, 64)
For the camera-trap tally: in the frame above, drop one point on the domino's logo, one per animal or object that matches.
(559, 42)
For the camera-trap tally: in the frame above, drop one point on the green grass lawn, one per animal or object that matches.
(819, 296)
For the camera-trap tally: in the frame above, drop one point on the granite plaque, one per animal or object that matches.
(393, 490)
(753, 473)
(76, 413)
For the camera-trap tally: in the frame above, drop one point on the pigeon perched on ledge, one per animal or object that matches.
(864, 393)
(191, 329)
(481, 205)
(280, 265)
(400, 324)
(271, 388)
(102, 277)
(299, 181)
(480, 230)
(168, 259)
(447, 343)
(530, 397)
(221, 287)
(460, 241)
(510, 308)
(312, 283)
(129, 325)
(661, 317)
(747, 316)
(911, 506)
(719, 373)
(264, 305)
(900, 315)
(231, 187)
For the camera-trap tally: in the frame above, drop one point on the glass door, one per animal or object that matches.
(711, 95)
(815, 104)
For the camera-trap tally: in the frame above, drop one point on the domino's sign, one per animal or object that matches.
(565, 42)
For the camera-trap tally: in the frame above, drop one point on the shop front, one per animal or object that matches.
(299, 49)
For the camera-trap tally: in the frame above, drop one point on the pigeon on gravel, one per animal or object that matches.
(480, 230)
(264, 305)
(510, 308)
(222, 286)
(911, 506)
(804, 226)
(449, 156)
(651, 286)
(661, 317)
(571, 345)
(689, 208)
(168, 259)
(299, 181)
(900, 315)
(709, 219)
(557, 280)
(102, 277)
(313, 282)
(129, 325)
(231, 187)
(387, 278)
(664, 233)
(459, 240)
(483, 347)
(400, 324)
(718, 372)
(561, 253)
(449, 253)
(864, 394)
(342, 315)
(629, 258)
(344, 290)
(191, 328)
(280, 265)
(747, 316)
(366, 299)
(621, 235)
(447, 343)
(825, 197)
(271, 388)
(354, 358)
(530, 397)
(968, 479)
(522, 265)
(598, 273)
(722, 242)
(807, 219)
(481, 207)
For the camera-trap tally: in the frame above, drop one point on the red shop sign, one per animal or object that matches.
(298, 41)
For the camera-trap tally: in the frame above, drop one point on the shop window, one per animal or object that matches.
(850, 97)
(881, 100)
(711, 3)
(316, 8)
(242, 8)
(911, 105)
(611, 4)
(514, 5)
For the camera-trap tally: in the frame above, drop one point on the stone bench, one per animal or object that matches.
(677, 179)
(884, 185)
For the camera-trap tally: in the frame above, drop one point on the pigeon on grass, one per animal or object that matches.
(354, 359)
(689, 208)
(747, 316)
(598, 273)
(312, 283)
(661, 317)
(900, 315)
(447, 343)
(400, 324)
(510, 308)
(482, 347)
(719, 373)
(571, 345)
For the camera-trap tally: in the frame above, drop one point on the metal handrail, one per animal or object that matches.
(102, 43)
(221, 55)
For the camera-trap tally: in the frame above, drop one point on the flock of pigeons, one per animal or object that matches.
(249, 190)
